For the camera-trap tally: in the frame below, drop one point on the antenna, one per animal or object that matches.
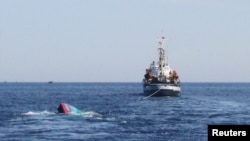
(166, 50)
(161, 53)
(167, 53)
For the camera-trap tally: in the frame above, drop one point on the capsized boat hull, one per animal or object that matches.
(161, 90)
(68, 109)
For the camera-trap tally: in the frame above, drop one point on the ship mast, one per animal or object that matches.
(162, 56)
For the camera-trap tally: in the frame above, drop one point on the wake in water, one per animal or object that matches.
(91, 114)
(87, 114)
(45, 112)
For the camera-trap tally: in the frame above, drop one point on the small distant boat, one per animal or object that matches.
(68, 109)
(50, 82)
(160, 79)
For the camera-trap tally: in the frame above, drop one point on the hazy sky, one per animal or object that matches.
(116, 40)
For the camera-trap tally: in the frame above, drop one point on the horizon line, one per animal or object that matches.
(117, 82)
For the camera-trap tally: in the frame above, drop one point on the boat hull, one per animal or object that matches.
(68, 109)
(161, 90)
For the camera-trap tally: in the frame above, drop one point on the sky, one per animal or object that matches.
(116, 40)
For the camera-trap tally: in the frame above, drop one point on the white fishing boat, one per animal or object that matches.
(160, 79)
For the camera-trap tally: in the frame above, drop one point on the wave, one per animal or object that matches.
(91, 114)
(45, 112)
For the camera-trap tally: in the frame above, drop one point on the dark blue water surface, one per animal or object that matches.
(116, 111)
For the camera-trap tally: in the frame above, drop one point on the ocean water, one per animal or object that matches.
(117, 112)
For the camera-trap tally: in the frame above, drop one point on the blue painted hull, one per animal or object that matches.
(161, 90)
(162, 93)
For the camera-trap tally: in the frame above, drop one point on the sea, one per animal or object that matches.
(118, 111)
